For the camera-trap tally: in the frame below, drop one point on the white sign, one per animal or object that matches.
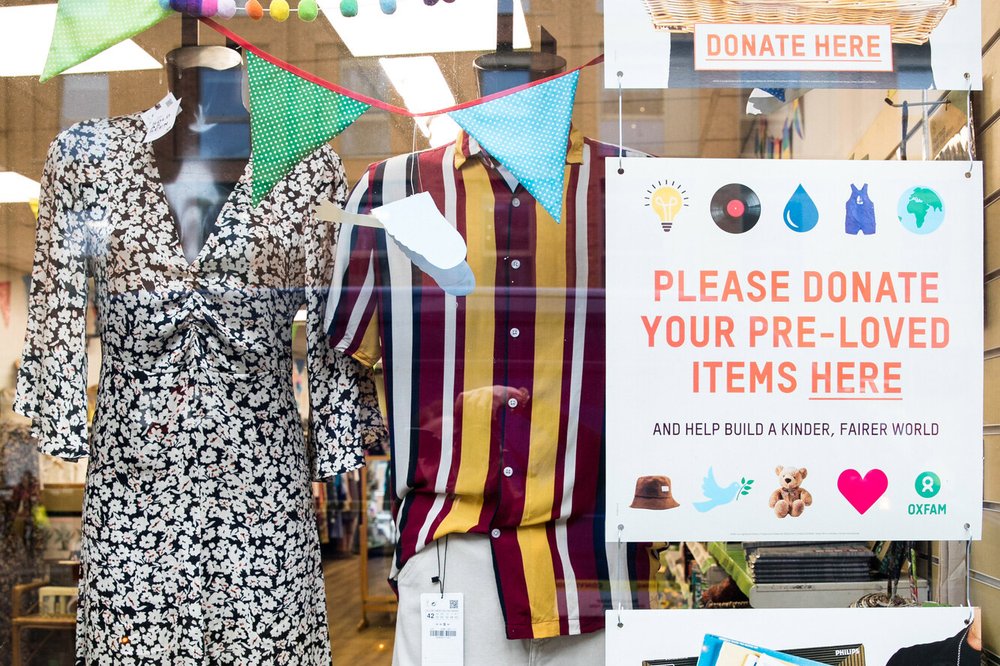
(797, 350)
(817, 48)
(774, 44)
(860, 635)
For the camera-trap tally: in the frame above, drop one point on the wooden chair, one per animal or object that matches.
(29, 618)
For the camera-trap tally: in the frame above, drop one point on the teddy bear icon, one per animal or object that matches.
(791, 499)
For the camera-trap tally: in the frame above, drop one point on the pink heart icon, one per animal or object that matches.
(862, 491)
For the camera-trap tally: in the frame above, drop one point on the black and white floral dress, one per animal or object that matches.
(199, 536)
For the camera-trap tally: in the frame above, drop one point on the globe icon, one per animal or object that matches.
(920, 210)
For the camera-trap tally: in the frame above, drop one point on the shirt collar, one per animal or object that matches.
(466, 147)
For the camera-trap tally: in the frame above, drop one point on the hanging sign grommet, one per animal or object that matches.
(971, 126)
(621, 139)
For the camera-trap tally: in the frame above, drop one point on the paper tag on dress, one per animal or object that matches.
(160, 119)
(442, 620)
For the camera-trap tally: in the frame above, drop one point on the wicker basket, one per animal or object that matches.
(912, 20)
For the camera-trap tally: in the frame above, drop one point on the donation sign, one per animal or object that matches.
(793, 43)
(836, 636)
(794, 350)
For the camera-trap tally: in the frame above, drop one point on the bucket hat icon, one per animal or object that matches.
(654, 492)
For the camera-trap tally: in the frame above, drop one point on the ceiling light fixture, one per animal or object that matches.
(415, 28)
(422, 86)
(15, 188)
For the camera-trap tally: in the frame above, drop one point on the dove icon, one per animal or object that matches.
(716, 494)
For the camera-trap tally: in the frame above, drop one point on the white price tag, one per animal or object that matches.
(160, 119)
(442, 620)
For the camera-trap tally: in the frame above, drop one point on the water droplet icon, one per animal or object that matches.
(801, 213)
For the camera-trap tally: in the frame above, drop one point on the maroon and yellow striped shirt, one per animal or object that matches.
(496, 399)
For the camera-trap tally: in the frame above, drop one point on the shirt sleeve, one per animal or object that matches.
(351, 320)
(344, 416)
(52, 380)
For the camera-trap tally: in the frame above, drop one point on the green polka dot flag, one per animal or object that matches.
(289, 118)
(84, 28)
(528, 131)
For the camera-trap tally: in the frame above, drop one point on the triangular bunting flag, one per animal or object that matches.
(289, 118)
(528, 131)
(84, 28)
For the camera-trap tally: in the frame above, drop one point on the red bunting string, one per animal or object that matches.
(376, 103)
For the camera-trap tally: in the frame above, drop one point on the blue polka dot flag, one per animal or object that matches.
(527, 131)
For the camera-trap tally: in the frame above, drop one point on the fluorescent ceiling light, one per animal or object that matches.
(25, 33)
(422, 86)
(15, 188)
(470, 25)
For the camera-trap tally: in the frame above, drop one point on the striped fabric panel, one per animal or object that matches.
(496, 399)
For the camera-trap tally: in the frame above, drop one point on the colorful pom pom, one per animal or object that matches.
(308, 10)
(279, 10)
(209, 8)
(254, 10)
(227, 9)
(388, 6)
(165, 4)
(349, 8)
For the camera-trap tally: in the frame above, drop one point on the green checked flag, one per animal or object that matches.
(84, 28)
(290, 117)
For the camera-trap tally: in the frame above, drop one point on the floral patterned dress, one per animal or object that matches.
(199, 539)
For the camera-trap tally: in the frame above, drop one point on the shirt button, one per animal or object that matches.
(515, 202)
(495, 533)
(515, 332)
(515, 264)
(508, 472)
(512, 403)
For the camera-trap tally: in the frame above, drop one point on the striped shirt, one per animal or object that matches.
(496, 399)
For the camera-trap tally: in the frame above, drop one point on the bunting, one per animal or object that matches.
(85, 28)
(527, 131)
(292, 113)
(290, 117)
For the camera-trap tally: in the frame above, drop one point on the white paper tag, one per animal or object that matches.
(417, 223)
(442, 620)
(160, 119)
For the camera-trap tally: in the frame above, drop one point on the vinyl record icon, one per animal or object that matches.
(735, 208)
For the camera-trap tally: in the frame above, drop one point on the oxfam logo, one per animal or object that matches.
(928, 484)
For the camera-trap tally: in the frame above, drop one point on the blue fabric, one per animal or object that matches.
(527, 132)
(779, 93)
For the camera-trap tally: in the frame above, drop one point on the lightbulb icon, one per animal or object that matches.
(666, 200)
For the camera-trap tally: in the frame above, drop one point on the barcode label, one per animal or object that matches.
(442, 627)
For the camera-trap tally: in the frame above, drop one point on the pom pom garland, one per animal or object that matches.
(279, 10)
(308, 10)
(254, 10)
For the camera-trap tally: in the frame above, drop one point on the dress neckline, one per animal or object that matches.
(166, 216)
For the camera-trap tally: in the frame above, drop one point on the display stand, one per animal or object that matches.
(384, 603)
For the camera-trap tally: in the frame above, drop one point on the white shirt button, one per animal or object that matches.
(508, 472)
(515, 332)
(512, 403)
(515, 202)
(515, 264)
(495, 533)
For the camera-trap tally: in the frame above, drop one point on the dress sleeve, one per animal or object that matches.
(344, 416)
(52, 381)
